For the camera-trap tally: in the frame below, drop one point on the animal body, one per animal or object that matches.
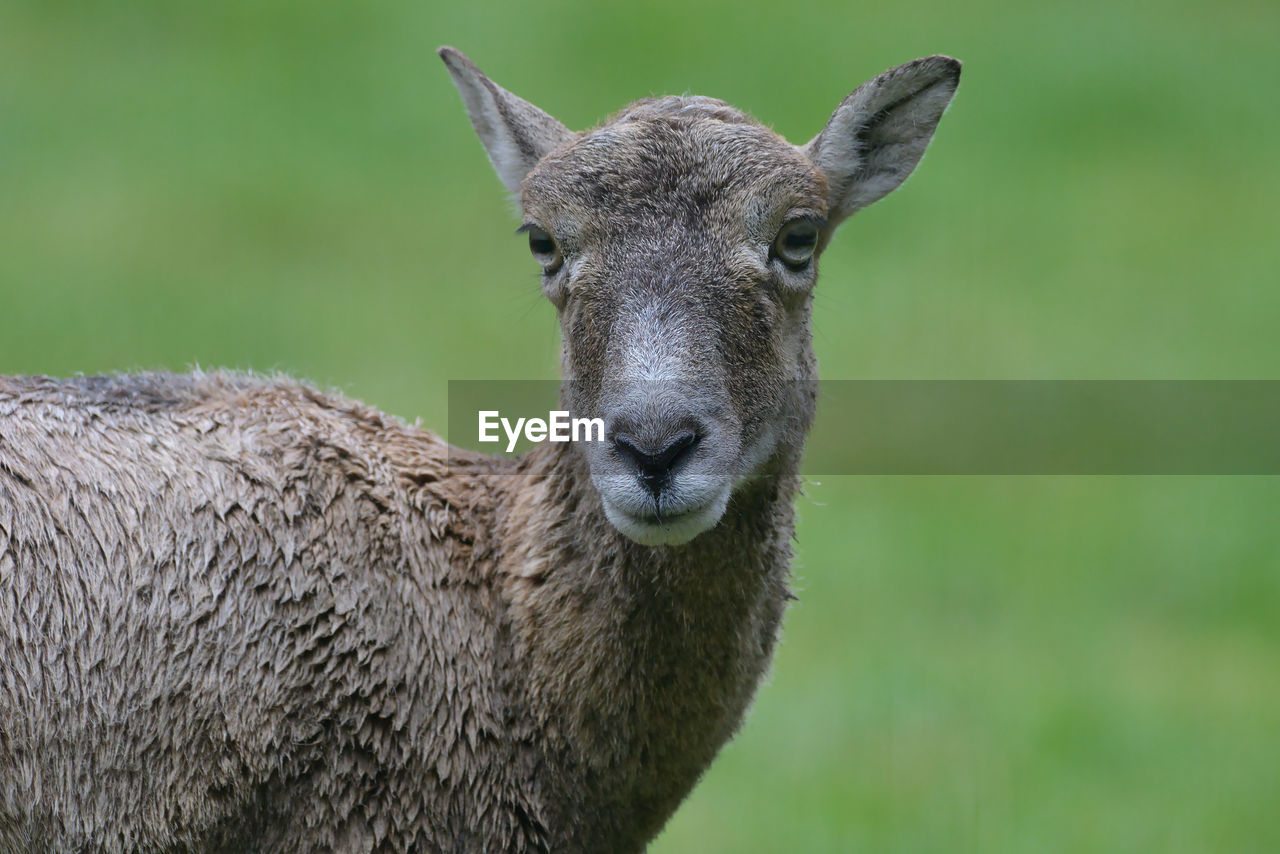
(239, 614)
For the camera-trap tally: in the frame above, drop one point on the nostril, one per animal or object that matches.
(680, 447)
(627, 448)
(655, 466)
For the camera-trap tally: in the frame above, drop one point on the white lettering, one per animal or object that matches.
(587, 425)
(559, 426)
(488, 425)
(512, 435)
(536, 430)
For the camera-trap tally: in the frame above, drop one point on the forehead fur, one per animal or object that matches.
(689, 160)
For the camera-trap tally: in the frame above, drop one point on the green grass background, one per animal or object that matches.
(976, 664)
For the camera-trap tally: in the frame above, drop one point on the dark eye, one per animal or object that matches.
(796, 242)
(544, 248)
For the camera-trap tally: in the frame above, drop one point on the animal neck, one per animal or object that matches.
(639, 661)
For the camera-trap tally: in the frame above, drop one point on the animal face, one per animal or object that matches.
(679, 243)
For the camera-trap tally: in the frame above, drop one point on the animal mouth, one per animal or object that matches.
(652, 525)
(659, 518)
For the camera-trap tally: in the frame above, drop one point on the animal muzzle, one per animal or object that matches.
(664, 473)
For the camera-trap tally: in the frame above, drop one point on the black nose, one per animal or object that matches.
(654, 464)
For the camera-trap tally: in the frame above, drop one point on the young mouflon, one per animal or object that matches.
(240, 614)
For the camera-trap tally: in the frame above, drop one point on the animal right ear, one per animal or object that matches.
(878, 134)
(515, 133)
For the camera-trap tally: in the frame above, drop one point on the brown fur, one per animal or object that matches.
(497, 671)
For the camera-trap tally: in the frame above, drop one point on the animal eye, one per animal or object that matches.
(796, 242)
(544, 248)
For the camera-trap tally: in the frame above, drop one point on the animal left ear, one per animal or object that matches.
(878, 134)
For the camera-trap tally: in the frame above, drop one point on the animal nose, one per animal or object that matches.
(655, 462)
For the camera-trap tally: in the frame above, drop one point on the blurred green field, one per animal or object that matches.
(1053, 664)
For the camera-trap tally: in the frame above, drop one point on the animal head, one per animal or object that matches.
(679, 242)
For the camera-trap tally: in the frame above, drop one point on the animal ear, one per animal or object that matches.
(515, 133)
(878, 134)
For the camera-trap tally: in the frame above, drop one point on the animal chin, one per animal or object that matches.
(667, 529)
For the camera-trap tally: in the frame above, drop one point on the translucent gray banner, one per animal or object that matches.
(999, 427)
